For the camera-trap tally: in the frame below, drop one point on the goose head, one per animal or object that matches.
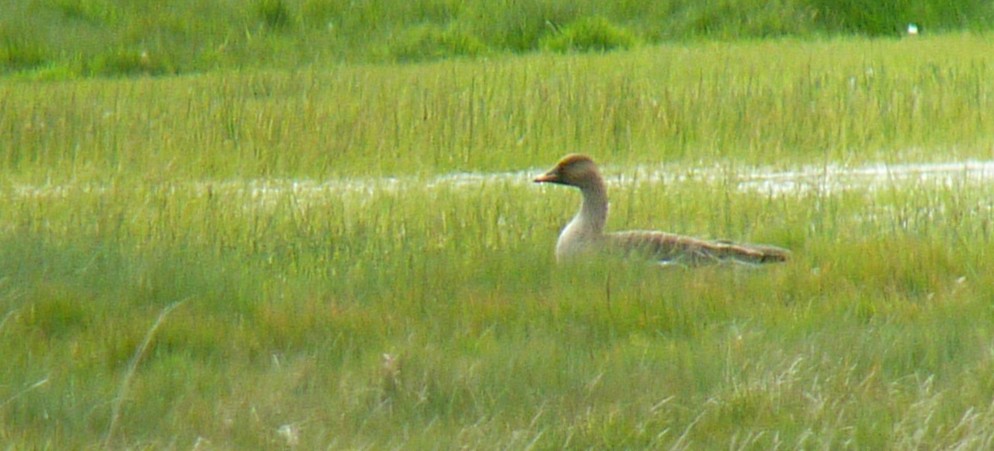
(573, 170)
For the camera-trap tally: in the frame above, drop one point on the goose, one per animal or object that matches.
(585, 233)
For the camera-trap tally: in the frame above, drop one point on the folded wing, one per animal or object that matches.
(668, 248)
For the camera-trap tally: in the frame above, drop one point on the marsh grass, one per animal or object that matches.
(589, 34)
(68, 39)
(330, 305)
(760, 103)
(877, 331)
(430, 42)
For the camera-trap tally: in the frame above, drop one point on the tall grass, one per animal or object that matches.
(327, 306)
(878, 333)
(761, 102)
(72, 38)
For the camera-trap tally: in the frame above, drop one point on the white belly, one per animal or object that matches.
(576, 239)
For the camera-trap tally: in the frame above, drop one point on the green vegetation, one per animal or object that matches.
(309, 273)
(877, 334)
(431, 42)
(590, 33)
(776, 103)
(72, 38)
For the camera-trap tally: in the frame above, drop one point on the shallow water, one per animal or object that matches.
(827, 179)
(833, 178)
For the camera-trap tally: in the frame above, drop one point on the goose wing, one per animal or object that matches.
(670, 248)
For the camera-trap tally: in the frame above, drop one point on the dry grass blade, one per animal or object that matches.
(135, 360)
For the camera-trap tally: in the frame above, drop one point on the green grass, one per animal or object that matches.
(324, 304)
(587, 34)
(58, 39)
(869, 335)
(839, 100)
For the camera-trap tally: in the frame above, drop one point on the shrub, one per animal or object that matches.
(430, 42)
(589, 34)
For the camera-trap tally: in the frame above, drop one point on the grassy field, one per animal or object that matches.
(68, 39)
(766, 102)
(354, 257)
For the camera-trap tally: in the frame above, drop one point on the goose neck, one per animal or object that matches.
(593, 211)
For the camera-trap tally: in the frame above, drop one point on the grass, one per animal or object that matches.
(294, 302)
(85, 38)
(587, 34)
(839, 100)
(340, 288)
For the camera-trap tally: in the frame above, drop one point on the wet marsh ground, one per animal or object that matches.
(367, 265)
